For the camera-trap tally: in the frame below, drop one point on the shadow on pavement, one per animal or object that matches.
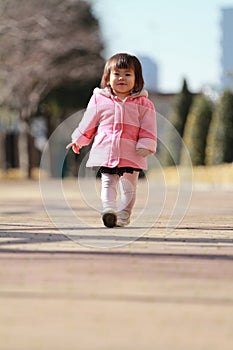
(18, 235)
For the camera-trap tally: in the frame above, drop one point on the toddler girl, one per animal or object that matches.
(123, 122)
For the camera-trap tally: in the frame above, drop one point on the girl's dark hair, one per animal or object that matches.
(123, 61)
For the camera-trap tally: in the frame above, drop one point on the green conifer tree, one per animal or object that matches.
(170, 151)
(220, 136)
(196, 130)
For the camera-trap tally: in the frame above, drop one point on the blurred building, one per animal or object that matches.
(227, 47)
(150, 73)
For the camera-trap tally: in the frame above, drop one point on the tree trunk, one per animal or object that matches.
(23, 149)
(2, 151)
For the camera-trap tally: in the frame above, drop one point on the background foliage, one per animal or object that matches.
(220, 136)
(196, 130)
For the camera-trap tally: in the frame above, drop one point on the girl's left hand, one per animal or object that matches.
(143, 152)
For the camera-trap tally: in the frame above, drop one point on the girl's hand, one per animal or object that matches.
(74, 146)
(143, 152)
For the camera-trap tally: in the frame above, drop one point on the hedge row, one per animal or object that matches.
(200, 130)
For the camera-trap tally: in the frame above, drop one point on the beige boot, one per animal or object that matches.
(123, 218)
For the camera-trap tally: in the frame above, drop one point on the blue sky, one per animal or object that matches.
(181, 36)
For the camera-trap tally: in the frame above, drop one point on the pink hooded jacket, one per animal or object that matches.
(120, 127)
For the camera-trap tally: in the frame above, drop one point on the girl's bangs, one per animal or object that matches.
(121, 62)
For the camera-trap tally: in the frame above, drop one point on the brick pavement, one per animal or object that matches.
(67, 282)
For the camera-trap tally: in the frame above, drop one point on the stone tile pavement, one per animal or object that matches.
(164, 282)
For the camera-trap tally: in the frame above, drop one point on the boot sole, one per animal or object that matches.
(109, 219)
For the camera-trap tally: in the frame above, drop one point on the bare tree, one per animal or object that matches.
(45, 44)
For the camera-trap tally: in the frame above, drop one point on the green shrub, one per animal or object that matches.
(219, 147)
(196, 130)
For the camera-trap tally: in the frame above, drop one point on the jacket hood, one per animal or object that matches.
(108, 93)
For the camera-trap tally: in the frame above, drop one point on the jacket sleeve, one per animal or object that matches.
(86, 129)
(148, 131)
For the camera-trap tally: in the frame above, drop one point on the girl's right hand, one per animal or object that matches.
(74, 146)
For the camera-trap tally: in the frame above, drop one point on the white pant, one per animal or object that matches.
(127, 185)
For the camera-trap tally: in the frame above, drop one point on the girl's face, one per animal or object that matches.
(122, 81)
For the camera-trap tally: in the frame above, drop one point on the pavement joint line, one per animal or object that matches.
(181, 299)
(192, 256)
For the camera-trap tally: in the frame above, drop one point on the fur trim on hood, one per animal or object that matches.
(108, 93)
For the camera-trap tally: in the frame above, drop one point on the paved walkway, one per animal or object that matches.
(66, 282)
